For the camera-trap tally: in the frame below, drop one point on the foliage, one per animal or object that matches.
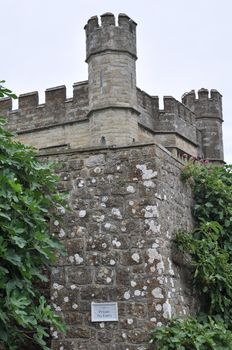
(210, 248)
(28, 201)
(213, 196)
(192, 335)
(212, 269)
(5, 92)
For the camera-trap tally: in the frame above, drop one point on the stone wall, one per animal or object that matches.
(127, 203)
(207, 107)
(70, 135)
(112, 81)
(57, 109)
(194, 126)
(108, 108)
(126, 197)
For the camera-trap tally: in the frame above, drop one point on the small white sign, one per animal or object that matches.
(104, 312)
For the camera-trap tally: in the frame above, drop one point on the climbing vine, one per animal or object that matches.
(210, 248)
(28, 201)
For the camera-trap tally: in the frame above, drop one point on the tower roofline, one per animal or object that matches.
(107, 36)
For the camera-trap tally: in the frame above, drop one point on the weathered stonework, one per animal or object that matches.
(109, 109)
(126, 205)
(120, 160)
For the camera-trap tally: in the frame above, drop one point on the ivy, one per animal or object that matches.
(193, 335)
(210, 248)
(6, 92)
(28, 202)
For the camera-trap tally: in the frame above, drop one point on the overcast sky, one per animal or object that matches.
(182, 45)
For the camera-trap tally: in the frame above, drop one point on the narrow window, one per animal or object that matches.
(144, 102)
(131, 80)
(101, 79)
(103, 140)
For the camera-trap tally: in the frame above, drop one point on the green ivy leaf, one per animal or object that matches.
(19, 241)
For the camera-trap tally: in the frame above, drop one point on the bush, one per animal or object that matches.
(28, 201)
(210, 248)
(189, 334)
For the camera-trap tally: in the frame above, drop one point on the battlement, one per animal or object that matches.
(204, 103)
(109, 109)
(5, 105)
(55, 98)
(171, 106)
(110, 37)
(203, 94)
(208, 110)
(174, 125)
(57, 108)
(176, 118)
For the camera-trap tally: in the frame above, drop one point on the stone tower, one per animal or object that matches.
(127, 197)
(208, 111)
(111, 56)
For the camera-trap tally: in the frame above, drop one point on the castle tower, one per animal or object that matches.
(111, 56)
(208, 110)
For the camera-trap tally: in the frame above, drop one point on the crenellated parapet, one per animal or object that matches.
(208, 110)
(5, 105)
(176, 128)
(174, 107)
(57, 109)
(174, 117)
(28, 101)
(204, 104)
(108, 109)
(110, 37)
(198, 120)
(150, 104)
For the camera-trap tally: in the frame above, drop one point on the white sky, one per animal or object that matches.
(182, 45)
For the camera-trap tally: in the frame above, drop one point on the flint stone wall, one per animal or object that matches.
(127, 203)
